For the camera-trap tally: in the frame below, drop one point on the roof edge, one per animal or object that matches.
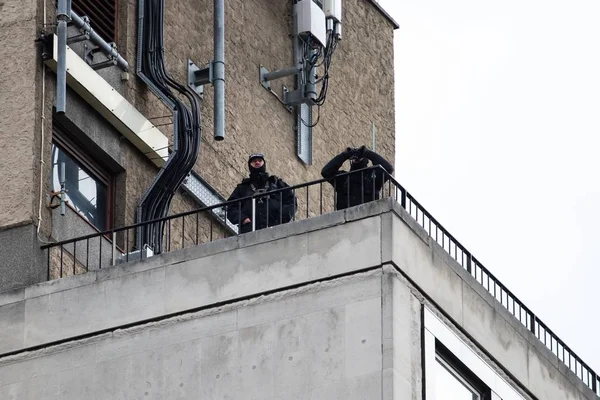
(385, 14)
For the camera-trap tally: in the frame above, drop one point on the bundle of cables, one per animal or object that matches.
(311, 57)
(187, 135)
(332, 42)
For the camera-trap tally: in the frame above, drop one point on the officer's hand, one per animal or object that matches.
(361, 151)
(246, 221)
(348, 152)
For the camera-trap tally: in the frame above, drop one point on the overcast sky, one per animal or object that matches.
(497, 124)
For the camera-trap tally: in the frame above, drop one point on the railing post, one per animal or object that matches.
(532, 322)
(49, 248)
(594, 383)
(114, 248)
(403, 198)
(469, 258)
(253, 214)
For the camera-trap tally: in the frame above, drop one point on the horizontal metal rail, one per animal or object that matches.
(102, 246)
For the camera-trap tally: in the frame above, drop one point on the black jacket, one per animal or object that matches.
(360, 187)
(271, 209)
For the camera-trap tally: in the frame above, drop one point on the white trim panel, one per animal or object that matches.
(436, 329)
(115, 108)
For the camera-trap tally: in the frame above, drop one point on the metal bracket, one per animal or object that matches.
(262, 71)
(78, 38)
(89, 53)
(198, 77)
(297, 97)
(288, 98)
(47, 44)
(265, 76)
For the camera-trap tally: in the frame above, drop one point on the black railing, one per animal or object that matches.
(95, 251)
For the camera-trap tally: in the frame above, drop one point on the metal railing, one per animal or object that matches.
(108, 248)
(512, 304)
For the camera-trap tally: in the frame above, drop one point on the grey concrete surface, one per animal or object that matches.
(477, 313)
(66, 311)
(21, 261)
(256, 344)
(319, 342)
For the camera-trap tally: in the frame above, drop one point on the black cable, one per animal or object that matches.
(316, 122)
(188, 132)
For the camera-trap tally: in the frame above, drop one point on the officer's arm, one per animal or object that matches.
(233, 210)
(376, 159)
(331, 168)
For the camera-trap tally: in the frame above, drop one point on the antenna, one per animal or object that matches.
(374, 132)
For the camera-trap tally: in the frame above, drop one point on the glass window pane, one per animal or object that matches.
(449, 386)
(87, 195)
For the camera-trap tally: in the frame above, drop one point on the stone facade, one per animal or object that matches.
(18, 63)
(257, 33)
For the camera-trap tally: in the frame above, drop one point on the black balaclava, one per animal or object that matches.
(359, 164)
(258, 173)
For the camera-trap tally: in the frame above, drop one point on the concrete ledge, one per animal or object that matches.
(483, 318)
(292, 254)
(322, 341)
(338, 244)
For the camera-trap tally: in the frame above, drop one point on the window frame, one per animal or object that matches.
(92, 166)
(439, 340)
(460, 372)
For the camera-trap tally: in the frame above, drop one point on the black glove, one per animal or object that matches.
(360, 152)
(348, 152)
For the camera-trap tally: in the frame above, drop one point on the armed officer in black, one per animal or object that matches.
(360, 187)
(270, 209)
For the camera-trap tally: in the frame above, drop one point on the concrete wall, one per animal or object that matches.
(483, 321)
(318, 342)
(268, 299)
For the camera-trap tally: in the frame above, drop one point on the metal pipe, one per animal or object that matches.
(109, 50)
(280, 73)
(219, 69)
(62, 17)
(63, 191)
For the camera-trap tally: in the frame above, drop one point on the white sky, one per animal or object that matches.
(497, 122)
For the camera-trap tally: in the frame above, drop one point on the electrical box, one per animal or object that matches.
(333, 9)
(310, 21)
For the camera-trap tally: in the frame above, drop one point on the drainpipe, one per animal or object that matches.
(108, 49)
(62, 17)
(219, 69)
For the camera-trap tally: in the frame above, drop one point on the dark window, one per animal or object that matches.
(102, 14)
(89, 186)
(454, 381)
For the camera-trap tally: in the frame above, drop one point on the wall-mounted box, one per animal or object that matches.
(310, 21)
(333, 9)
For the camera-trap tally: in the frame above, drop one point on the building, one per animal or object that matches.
(119, 131)
(374, 301)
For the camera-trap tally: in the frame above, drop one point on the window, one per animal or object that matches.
(453, 371)
(88, 186)
(102, 14)
(451, 383)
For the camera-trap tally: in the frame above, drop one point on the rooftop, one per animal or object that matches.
(88, 255)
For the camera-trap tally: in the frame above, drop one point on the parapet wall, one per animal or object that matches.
(327, 307)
